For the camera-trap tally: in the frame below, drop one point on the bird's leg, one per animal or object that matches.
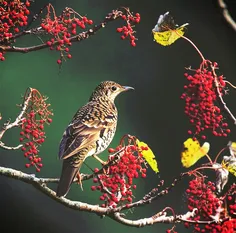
(79, 180)
(100, 160)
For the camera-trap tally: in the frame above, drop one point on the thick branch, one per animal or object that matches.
(226, 14)
(80, 37)
(40, 184)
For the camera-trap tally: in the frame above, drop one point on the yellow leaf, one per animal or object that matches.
(148, 155)
(169, 37)
(232, 148)
(166, 32)
(229, 163)
(192, 152)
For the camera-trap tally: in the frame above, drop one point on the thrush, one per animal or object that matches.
(89, 133)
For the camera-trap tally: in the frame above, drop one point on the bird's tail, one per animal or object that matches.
(67, 176)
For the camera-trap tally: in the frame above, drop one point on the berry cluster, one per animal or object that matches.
(62, 28)
(228, 226)
(2, 58)
(32, 134)
(13, 16)
(117, 183)
(201, 95)
(202, 196)
(127, 31)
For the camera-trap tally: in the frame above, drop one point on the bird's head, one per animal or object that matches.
(109, 89)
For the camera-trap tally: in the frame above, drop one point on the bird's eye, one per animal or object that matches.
(113, 88)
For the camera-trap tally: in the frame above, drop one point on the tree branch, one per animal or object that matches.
(157, 218)
(16, 123)
(220, 96)
(80, 37)
(40, 184)
(226, 14)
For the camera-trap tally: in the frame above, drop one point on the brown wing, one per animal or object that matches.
(85, 128)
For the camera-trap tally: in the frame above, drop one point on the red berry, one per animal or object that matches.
(85, 19)
(144, 175)
(111, 150)
(93, 188)
(49, 43)
(49, 120)
(119, 29)
(96, 170)
(133, 43)
(90, 22)
(59, 61)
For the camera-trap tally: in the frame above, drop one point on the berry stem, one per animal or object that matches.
(199, 52)
(219, 94)
(230, 84)
(217, 156)
(209, 158)
(186, 38)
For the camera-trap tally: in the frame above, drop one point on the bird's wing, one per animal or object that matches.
(85, 129)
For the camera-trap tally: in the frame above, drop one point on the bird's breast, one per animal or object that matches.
(105, 139)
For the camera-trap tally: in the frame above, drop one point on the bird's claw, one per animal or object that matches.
(79, 180)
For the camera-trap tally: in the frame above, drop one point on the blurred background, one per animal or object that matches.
(153, 112)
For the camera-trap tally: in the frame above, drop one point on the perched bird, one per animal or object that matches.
(89, 133)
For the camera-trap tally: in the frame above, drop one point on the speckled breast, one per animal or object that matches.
(105, 139)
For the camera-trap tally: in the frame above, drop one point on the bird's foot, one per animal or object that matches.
(79, 180)
(100, 160)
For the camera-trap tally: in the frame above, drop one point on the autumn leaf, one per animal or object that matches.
(148, 155)
(192, 152)
(166, 32)
(222, 175)
(232, 148)
(229, 163)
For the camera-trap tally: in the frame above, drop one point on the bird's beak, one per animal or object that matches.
(126, 88)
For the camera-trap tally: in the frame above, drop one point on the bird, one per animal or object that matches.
(89, 133)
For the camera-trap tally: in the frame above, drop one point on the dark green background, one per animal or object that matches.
(154, 112)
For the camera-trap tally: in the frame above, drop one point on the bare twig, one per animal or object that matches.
(16, 123)
(154, 194)
(157, 218)
(226, 14)
(2, 145)
(80, 37)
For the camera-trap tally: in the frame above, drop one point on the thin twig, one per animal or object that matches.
(220, 96)
(16, 123)
(230, 84)
(154, 194)
(226, 14)
(77, 38)
(157, 218)
(3, 146)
